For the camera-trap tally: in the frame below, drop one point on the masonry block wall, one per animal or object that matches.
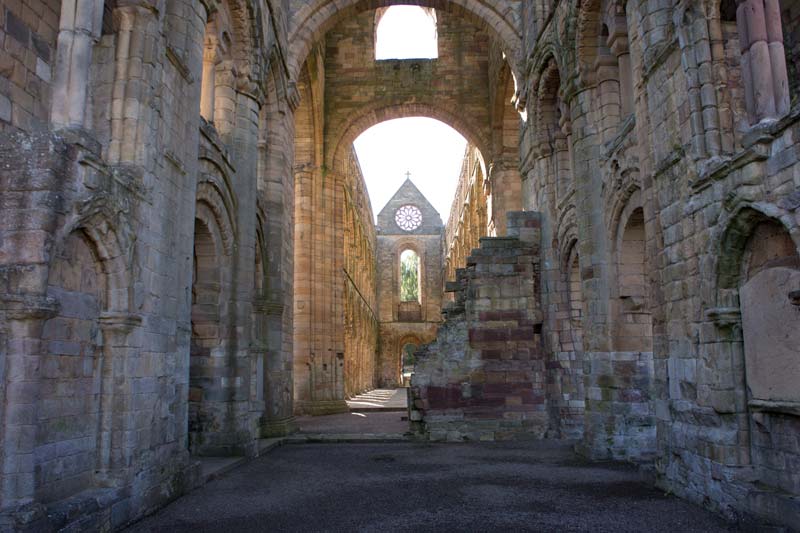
(154, 143)
(657, 163)
(137, 289)
(360, 286)
(30, 30)
(468, 220)
(484, 376)
(360, 91)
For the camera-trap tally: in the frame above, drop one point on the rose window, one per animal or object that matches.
(408, 217)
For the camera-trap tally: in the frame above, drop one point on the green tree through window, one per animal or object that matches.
(409, 276)
(408, 354)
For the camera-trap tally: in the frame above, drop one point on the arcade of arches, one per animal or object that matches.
(189, 258)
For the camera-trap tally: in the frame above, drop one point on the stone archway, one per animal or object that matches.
(753, 353)
(407, 345)
(312, 21)
(344, 136)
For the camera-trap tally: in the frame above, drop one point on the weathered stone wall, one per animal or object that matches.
(468, 220)
(114, 324)
(653, 162)
(483, 378)
(360, 286)
(360, 91)
(658, 143)
(27, 55)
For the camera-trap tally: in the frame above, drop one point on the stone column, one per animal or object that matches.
(618, 43)
(700, 42)
(79, 28)
(277, 419)
(608, 94)
(763, 59)
(135, 65)
(276, 187)
(244, 100)
(117, 443)
(209, 82)
(326, 358)
(24, 318)
(303, 259)
(730, 379)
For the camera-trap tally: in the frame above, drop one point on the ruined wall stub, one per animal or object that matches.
(484, 378)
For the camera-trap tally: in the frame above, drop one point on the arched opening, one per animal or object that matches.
(620, 421)
(567, 374)
(410, 278)
(635, 329)
(394, 27)
(407, 359)
(108, 17)
(205, 350)
(554, 138)
(258, 341)
(760, 268)
(575, 288)
(71, 372)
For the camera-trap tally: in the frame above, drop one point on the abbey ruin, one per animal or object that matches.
(189, 258)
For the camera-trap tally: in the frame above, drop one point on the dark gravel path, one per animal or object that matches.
(427, 487)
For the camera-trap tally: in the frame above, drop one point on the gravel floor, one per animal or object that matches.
(430, 487)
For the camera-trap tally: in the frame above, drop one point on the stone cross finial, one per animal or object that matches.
(408, 175)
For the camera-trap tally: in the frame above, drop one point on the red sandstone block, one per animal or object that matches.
(531, 397)
(499, 388)
(484, 412)
(521, 333)
(445, 397)
(511, 314)
(488, 334)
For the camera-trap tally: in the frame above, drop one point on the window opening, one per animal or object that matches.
(408, 217)
(406, 32)
(409, 276)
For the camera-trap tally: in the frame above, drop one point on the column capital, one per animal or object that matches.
(119, 321)
(724, 317)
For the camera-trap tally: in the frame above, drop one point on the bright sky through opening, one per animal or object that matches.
(430, 150)
(406, 32)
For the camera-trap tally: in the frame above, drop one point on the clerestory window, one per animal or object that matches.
(406, 32)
